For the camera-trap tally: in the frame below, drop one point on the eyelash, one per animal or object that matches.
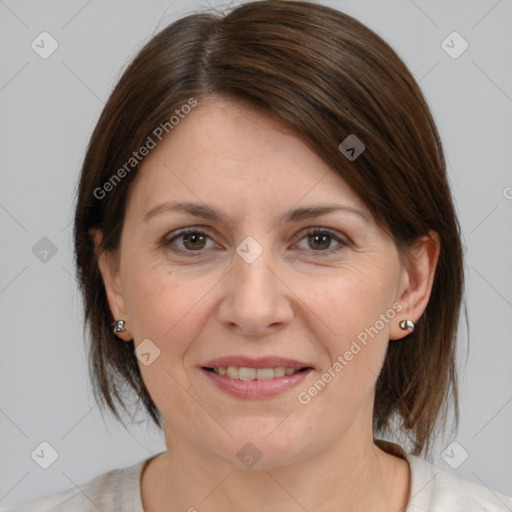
(167, 242)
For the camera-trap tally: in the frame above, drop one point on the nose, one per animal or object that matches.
(256, 300)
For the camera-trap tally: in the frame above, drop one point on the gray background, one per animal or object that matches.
(48, 110)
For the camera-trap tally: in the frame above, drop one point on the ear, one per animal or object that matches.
(108, 264)
(416, 281)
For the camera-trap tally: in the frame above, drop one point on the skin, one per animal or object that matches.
(292, 301)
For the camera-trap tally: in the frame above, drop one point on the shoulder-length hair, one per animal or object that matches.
(326, 76)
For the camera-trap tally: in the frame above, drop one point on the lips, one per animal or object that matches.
(255, 389)
(255, 378)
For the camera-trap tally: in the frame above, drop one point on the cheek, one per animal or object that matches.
(168, 309)
(348, 305)
(167, 306)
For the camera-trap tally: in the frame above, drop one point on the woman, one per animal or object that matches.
(270, 258)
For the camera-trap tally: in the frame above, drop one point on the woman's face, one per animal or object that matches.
(259, 283)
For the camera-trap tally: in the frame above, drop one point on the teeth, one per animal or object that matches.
(280, 371)
(246, 373)
(243, 373)
(232, 372)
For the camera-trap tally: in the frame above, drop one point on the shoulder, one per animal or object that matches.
(118, 489)
(436, 490)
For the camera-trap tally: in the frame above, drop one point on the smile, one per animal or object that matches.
(255, 383)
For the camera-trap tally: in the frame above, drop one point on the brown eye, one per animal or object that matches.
(188, 241)
(320, 240)
(194, 241)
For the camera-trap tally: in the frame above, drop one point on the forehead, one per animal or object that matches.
(228, 153)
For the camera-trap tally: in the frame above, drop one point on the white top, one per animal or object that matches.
(432, 490)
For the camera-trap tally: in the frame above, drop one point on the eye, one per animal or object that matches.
(193, 240)
(320, 239)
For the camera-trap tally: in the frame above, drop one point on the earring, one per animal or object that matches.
(118, 326)
(407, 324)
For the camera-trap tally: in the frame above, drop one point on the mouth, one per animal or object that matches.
(250, 378)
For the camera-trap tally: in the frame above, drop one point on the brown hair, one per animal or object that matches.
(326, 76)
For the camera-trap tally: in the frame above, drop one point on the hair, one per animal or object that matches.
(324, 75)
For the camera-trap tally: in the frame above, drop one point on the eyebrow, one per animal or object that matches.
(209, 212)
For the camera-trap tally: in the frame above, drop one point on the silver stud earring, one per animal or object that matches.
(118, 326)
(407, 325)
